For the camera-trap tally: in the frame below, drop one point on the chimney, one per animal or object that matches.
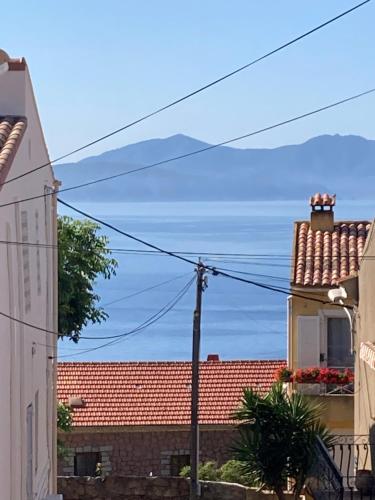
(15, 86)
(76, 402)
(213, 357)
(322, 216)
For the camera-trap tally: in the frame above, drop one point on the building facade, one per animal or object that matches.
(320, 333)
(134, 418)
(28, 293)
(364, 295)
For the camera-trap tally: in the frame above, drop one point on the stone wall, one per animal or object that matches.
(144, 452)
(150, 488)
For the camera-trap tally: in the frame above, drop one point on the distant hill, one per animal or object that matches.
(332, 163)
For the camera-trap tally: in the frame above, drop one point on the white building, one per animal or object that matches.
(28, 293)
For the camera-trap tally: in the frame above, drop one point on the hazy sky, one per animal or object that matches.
(96, 65)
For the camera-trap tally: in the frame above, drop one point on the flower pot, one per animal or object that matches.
(364, 481)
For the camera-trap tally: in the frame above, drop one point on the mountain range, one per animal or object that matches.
(328, 163)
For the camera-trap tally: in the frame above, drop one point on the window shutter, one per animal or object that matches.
(308, 341)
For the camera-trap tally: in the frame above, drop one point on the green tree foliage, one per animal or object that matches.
(83, 257)
(64, 423)
(277, 438)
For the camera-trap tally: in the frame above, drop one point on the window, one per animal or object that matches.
(178, 462)
(338, 343)
(85, 463)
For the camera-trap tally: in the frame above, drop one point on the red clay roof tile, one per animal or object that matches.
(158, 393)
(322, 258)
(11, 132)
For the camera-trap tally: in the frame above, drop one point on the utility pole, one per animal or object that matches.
(194, 448)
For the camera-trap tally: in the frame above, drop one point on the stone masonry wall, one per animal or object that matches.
(144, 452)
(150, 488)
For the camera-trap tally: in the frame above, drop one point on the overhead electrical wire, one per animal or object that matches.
(195, 152)
(61, 335)
(192, 93)
(151, 320)
(135, 294)
(211, 269)
(172, 301)
(240, 258)
(119, 338)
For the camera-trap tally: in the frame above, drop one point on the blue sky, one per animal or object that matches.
(97, 65)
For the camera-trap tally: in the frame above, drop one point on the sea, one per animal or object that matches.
(150, 301)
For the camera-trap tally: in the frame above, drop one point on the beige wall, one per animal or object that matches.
(365, 331)
(27, 292)
(338, 410)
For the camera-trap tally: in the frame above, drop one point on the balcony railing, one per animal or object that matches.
(355, 458)
(325, 389)
(324, 481)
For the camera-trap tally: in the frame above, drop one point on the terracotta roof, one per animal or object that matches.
(325, 199)
(158, 393)
(11, 132)
(322, 258)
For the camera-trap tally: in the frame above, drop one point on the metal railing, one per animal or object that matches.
(325, 481)
(355, 457)
(325, 389)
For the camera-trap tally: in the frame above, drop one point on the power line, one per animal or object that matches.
(137, 330)
(240, 258)
(61, 335)
(211, 269)
(145, 290)
(172, 301)
(191, 94)
(276, 278)
(198, 151)
(148, 321)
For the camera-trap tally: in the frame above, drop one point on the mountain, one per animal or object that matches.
(327, 163)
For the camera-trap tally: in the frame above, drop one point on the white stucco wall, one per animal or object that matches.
(27, 292)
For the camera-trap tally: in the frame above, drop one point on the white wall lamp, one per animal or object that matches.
(337, 296)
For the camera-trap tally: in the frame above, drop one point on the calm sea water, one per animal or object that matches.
(239, 321)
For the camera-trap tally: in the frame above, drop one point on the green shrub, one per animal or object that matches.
(206, 472)
(233, 472)
(185, 471)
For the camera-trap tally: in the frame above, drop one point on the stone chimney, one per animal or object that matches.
(213, 357)
(322, 216)
(15, 85)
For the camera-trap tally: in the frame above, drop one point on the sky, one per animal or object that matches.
(98, 65)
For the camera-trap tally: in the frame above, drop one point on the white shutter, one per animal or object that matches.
(308, 341)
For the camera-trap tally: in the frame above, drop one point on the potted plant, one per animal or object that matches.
(364, 481)
(284, 374)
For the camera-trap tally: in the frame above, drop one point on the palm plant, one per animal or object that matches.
(277, 437)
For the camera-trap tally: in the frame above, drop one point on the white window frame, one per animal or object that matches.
(325, 315)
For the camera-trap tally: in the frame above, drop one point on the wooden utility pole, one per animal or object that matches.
(194, 448)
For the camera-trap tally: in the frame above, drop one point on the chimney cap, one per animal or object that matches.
(320, 201)
(213, 357)
(4, 57)
(76, 401)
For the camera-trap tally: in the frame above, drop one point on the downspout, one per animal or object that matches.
(350, 318)
(289, 331)
(56, 185)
